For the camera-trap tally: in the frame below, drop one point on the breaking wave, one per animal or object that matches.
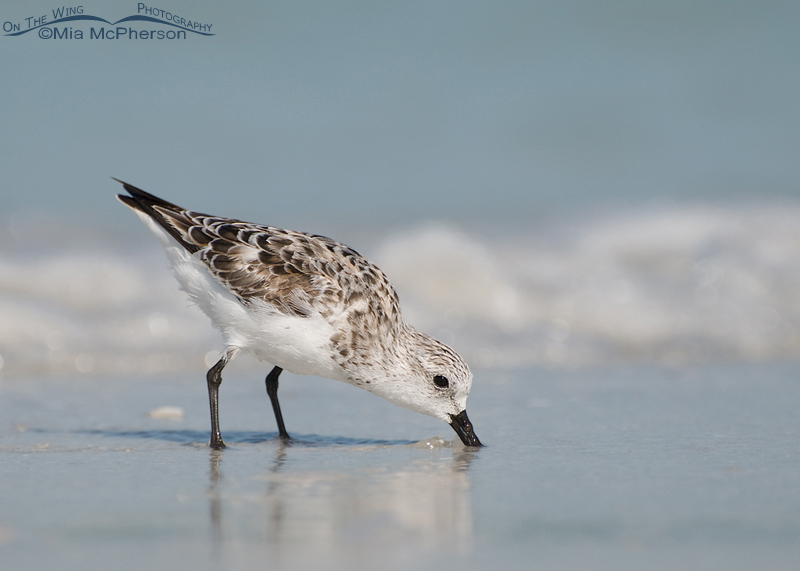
(668, 287)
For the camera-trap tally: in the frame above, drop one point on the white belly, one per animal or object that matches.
(300, 345)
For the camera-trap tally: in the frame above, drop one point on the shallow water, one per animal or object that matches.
(621, 468)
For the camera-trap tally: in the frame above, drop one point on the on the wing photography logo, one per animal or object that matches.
(71, 23)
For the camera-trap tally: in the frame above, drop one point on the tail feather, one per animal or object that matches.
(142, 195)
(169, 216)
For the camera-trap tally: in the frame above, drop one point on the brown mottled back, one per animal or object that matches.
(294, 272)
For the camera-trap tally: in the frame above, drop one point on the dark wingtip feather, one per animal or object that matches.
(128, 201)
(138, 193)
(144, 202)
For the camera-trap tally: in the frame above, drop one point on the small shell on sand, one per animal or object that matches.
(173, 412)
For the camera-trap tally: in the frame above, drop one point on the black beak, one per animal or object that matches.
(463, 428)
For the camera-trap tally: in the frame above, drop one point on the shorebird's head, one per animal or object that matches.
(432, 379)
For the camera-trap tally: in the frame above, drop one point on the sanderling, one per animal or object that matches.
(307, 304)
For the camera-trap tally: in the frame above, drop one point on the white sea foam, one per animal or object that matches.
(93, 311)
(674, 286)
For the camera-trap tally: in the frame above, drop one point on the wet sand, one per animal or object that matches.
(616, 469)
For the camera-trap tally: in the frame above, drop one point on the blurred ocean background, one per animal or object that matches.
(596, 203)
(558, 184)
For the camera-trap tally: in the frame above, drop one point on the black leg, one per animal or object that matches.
(214, 378)
(272, 391)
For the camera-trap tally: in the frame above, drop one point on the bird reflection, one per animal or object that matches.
(276, 510)
(415, 499)
(215, 500)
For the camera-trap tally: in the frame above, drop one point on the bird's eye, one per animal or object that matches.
(441, 381)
